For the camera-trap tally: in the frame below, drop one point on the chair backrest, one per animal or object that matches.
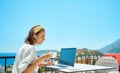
(107, 61)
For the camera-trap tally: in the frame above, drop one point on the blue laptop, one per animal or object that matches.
(67, 57)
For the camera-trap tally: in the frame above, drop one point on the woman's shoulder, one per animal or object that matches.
(27, 47)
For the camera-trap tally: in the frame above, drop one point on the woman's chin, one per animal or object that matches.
(39, 43)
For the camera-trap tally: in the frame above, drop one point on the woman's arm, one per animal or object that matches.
(32, 66)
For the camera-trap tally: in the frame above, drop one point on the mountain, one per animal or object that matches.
(112, 48)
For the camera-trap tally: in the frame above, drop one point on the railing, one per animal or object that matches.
(5, 58)
(87, 59)
(84, 59)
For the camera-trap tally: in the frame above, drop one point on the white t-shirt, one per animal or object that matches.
(1, 69)
(24, 57)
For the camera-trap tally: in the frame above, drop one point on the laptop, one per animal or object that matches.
(67, 57)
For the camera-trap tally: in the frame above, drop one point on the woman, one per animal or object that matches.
(26, 60)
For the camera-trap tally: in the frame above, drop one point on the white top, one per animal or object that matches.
(24, 57)
(1, 69)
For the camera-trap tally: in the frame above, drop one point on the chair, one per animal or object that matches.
(114, 72)
(107, 61)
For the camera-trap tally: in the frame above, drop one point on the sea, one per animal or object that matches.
(10, 61)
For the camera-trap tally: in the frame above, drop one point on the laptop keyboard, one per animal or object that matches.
(60, 65)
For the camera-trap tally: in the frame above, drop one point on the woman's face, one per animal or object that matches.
(40, 37)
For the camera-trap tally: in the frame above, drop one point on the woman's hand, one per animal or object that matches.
(45, 57)
(45, 64)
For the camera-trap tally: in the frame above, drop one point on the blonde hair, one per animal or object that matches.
(35, 30)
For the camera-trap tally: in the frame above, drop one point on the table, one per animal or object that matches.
(79, 68)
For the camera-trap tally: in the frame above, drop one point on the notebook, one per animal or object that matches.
(67, 57)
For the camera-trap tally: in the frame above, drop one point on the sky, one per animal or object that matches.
(90, 24)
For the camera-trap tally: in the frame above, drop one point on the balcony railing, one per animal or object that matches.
(84, 59)
(87, 59)
(5, 59)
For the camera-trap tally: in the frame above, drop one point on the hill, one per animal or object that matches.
(112, 48)
(45, 51)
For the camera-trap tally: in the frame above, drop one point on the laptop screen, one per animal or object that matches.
(67, 56)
